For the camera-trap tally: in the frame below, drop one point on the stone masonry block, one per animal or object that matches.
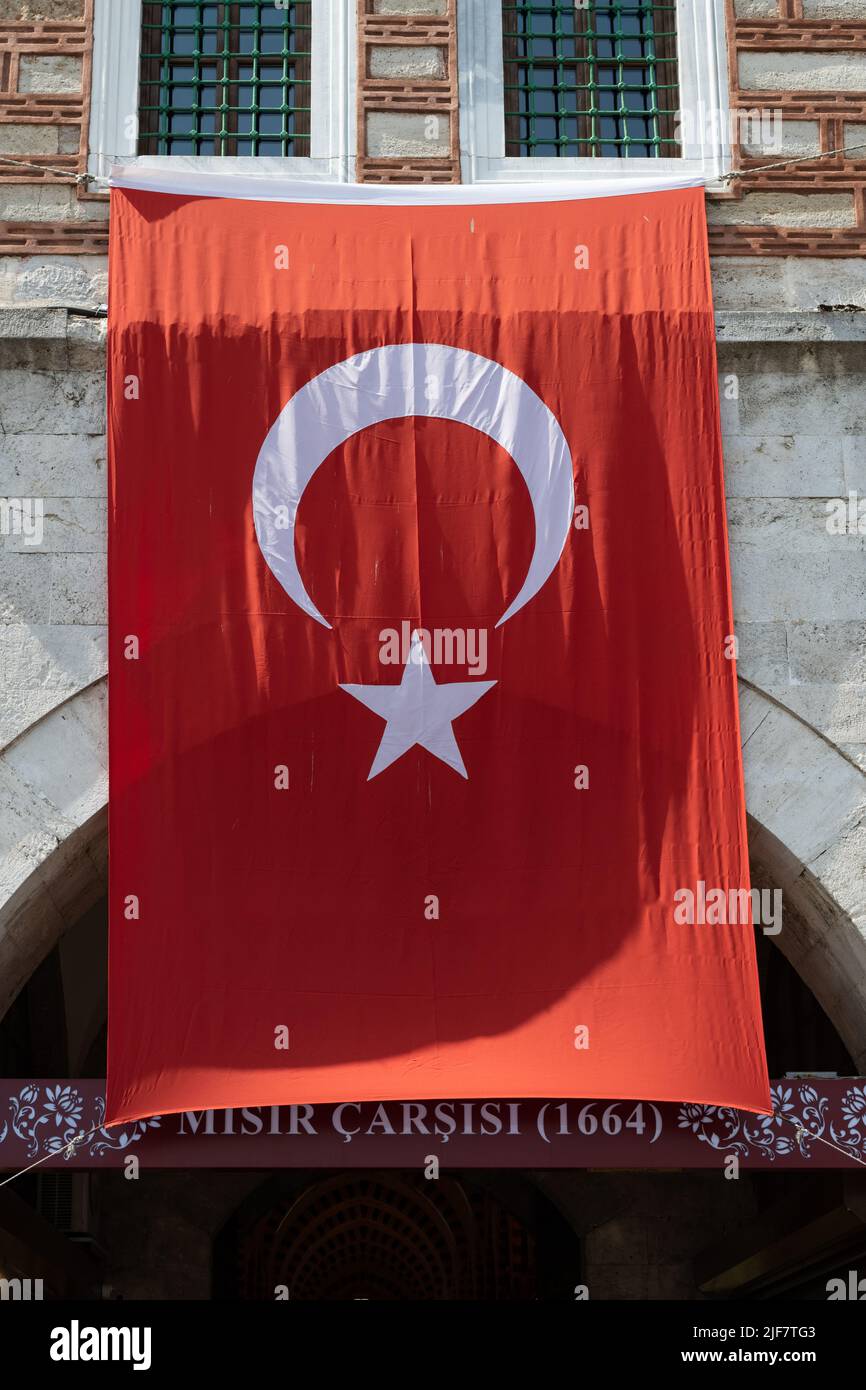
(29, 139)
(795, 526)
(66, 279)
(28, 11)
(68, 524)
(47, 202)
(78, 589)
(52, 402)
(762, 652)
(41, 665)
(792, 282)
(818, 587)
(831, 653)
(414, 61)
(50, 72)
(774, 403)
(784, 466)
(834, 9)
(52, 465)
(854, 462)
(25, 588)
(403, 135)
(795, 71)
(421, 7)
(756, 9)
(838, 711)
(786, 210)
(779, 139)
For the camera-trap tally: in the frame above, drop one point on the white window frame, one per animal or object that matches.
(704, 100)
(114, 101)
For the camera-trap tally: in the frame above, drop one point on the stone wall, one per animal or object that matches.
(797, 76)
(640, 1232)
(789, 274)
(792, 342)
(52, 447)
(160, 1229)
(795, 440)
(804, 60)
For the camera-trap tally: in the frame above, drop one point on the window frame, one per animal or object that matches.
(116, 61)
(703, 83)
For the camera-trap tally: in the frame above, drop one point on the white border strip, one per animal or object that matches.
(114, 126)
(193, 183)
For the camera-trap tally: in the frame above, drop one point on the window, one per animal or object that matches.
(571, 88)
(594, 81)
(223, 79)
(252, 85)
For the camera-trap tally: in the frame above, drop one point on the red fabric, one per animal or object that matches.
(305, 907)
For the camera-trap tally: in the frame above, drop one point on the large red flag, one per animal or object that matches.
(424, 741)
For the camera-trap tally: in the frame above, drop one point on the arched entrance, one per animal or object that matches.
(396, 1236)
(807, 818)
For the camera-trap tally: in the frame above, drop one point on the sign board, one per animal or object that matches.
(818, 1123)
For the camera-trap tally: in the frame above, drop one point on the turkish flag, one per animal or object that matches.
(423, 716)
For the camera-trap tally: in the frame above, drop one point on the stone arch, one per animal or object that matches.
(806, 804)
(374, 1233)
(54, 841)
(807, 828)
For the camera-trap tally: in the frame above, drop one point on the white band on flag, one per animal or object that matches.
(187, 181)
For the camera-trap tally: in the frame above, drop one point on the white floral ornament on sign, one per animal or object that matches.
(61, 1108)
(795, 1125)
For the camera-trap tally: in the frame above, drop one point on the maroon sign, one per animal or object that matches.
(818, 1123)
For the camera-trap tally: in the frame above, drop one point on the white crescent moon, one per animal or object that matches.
(388, 383)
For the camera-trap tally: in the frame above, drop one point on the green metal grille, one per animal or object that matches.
(593, 80)
(225, 79)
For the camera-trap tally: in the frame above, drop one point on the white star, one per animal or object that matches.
(418, 711)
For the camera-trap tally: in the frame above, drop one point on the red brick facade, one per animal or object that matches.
(426, 97)
(834, 111)
(63, 112)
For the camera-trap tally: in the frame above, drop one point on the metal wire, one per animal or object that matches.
(795, 159)
(46, 169)
(69, 1149)
(73, 177)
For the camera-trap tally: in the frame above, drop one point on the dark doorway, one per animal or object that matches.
(397, 1236)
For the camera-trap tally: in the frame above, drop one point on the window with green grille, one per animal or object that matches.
(591, 80)
(225, 79)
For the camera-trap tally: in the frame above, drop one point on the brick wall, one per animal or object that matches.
(45, 55)
(800, 62)
(802, 59)
(805, 59)
(407, 92)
